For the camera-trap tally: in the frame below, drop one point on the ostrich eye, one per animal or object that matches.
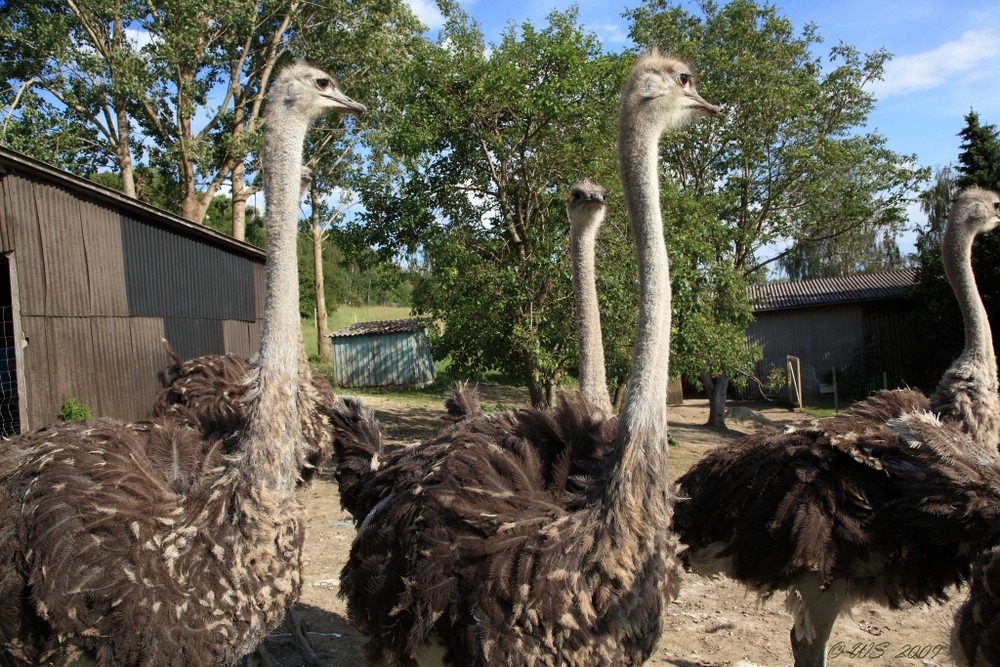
(323, 83)
(684, 78)
(996, 206)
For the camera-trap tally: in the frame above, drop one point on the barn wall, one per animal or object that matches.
(382, 360)
(868, 343)
(822, 338)
(100, 281)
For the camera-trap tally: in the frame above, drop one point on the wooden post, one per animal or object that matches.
(836, 406)
(793, 378)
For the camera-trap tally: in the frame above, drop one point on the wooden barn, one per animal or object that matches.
(382, 354)
(858, 328)
(92, 280)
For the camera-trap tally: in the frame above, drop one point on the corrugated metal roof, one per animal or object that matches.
(831, 291)
(378, 328)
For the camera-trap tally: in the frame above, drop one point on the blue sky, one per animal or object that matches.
(946, 57)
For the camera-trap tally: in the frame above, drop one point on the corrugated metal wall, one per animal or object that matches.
(822, 338)
(98, 285)
(865, 340)
(383, 360)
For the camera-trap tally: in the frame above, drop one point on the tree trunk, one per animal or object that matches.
(621, 384)
(123, 148)
(322, 328)
(716, 388)
(537, 391)
(239, 203)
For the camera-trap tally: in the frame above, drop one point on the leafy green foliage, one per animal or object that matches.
(73, 410)
(485, 144)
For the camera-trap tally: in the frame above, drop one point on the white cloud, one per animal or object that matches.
(427, 11)
(610, 33)
(965, 56)
(138, 38)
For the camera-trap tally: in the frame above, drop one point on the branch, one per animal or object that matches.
(13, 105)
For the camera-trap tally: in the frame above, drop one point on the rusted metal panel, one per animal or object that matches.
(98, 274)
(21, 220)
(5, 242)
(115, 360)
(149, 362)
(259, 276)
(67, 290)
(836, 290)
(35, 366)
(102, 239)
(194, 337)
(241, 338)
(72, 372)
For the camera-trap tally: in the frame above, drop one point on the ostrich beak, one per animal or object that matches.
(699, 103)
(344, 104)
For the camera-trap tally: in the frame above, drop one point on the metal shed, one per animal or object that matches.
(859, 325)
(92, 280)
(382, 354)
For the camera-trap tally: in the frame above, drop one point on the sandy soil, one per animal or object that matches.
(713, 622)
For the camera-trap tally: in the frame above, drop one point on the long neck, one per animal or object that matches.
(273, 431)
(593, 385)
(635, 503)
(957, 260)
(645, 406)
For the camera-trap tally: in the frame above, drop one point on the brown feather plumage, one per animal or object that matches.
(528, 481)
(884, 498)
(211, 392)
(130, 556)
(976, 636)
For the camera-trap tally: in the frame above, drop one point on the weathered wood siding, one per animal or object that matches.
(383, 360)
(99, 279)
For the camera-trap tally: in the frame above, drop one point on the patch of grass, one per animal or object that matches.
(824, 408)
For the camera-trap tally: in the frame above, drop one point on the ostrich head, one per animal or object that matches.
(586, 205)
(976, 209)
(307, 92)
(662, 90)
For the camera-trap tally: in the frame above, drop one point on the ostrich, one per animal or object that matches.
(884, 503)
(967, 393)
(586, 209)
(211, 392)
(480, 547)
(101, 554)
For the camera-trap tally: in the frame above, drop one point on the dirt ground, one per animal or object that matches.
(712, 623)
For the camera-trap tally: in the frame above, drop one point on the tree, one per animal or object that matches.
(784, 164)
(80, 55)
(483, 146)
(321, 220)
(191, 75)
(979, 161)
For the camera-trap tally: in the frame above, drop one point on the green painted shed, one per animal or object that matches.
(382, 354)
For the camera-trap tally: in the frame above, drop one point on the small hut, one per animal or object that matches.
(382, 354)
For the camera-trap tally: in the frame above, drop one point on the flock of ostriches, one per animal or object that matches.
(532, 537)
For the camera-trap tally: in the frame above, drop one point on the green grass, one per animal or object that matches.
(346, 316)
